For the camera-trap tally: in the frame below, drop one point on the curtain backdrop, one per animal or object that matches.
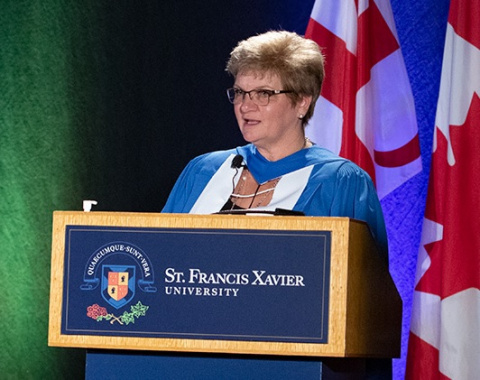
(108, 100)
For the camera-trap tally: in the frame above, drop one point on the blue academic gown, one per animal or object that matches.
(335, 186)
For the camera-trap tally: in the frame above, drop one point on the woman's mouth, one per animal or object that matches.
(251, 122)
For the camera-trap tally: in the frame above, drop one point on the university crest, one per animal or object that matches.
(118, 284)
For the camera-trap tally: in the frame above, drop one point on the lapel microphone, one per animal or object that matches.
(237, 162)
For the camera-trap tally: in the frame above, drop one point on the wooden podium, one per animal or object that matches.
(357, 302)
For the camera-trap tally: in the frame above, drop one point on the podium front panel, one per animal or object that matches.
(228, 284)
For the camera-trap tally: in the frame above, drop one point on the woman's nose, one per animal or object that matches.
(247, 103)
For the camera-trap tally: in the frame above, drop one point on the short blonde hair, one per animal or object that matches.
(298, 62)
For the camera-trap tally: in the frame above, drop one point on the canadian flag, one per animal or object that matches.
(366, 111)
(444, 337)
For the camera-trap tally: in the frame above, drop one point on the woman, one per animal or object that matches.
(278, 77)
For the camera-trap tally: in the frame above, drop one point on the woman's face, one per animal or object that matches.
(275, 127)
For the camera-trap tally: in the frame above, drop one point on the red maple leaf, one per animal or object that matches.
(454, 202)
(351, 72)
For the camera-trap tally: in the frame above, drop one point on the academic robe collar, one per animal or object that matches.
(264, 170)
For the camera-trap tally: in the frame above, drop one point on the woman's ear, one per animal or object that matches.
(304, 104)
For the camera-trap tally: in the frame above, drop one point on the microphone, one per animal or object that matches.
(237, 162)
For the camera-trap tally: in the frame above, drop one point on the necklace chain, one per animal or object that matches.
(255, 194)
(236, 196)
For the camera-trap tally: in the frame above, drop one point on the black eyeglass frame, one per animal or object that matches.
(234, 92)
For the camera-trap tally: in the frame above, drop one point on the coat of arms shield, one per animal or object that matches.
(118, 284)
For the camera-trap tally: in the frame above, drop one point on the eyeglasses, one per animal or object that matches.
(259, 97)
